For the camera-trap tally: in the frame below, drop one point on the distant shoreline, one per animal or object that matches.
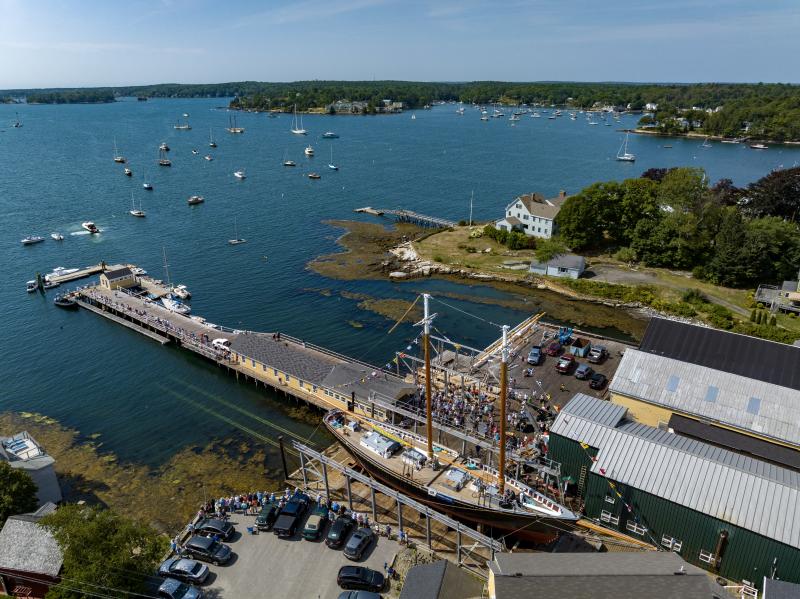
(695, 135)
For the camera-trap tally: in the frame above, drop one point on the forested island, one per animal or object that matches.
(76, 96)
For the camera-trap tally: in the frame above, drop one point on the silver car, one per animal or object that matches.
(187, 570)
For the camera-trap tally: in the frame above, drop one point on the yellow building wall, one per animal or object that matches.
(641, 411)
(490, 587)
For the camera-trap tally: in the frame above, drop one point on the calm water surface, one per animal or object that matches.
(57, 171)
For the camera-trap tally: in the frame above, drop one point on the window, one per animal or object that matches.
(314, 388)
(524, 217)
(635, 528)
(274, 372)
(264, 367)
(711, 394)
(753, 405)
(519, 205)
(610, 499)
(671, 543)
(672, 383)
(706, 557)
(252, 363)
(609, 517)
(540, 229)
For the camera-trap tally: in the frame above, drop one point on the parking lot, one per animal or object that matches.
(267, 566)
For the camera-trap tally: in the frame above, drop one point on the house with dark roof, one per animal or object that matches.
(30, 558)
(617, 575)
(736, 391)
(532, 214)
(731, 514)
(779, 589)
(440, 580)
(116, 277)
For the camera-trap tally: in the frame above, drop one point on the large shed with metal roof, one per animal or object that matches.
(736, 391)
(732, 514)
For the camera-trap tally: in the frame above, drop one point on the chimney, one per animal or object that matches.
(562, 194)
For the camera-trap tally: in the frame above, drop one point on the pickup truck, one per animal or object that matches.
(290, 516)
(565, 363)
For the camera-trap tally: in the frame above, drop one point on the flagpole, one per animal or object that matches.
(501, 476)
(428, 399)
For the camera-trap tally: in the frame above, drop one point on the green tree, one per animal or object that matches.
(547, 249)
(103, 548)
(17, 492)
(730, 265)
(776, 194)
(580, 219)
(753, 315)
(773, 321)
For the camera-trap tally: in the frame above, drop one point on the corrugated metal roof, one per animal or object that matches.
(745, 403)
(746, 492)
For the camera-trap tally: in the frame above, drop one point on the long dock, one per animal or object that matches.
(409, 216)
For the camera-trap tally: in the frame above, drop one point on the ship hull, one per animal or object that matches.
(534, 528)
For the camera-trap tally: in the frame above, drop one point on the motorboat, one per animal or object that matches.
(90, 226)
(194, 200)
(128, 172)
(240, 175)
(173, 304)
(195, 152)
(330, 135)
(31, 286)
(164, 147)
(139, 272)
(182, 292)
(31, 239)
(484, 118)
(758, 146)
(314, 176)
(65, 301)
(148, 186)
(289, 163)
(56, 236)
(208, 157)
(60, 271)
(309, 151)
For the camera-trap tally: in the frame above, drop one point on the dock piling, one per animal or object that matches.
(283, 458)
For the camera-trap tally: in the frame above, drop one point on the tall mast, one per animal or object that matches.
(166, 267)
(501, 474)
(426, 339)
(471, 197)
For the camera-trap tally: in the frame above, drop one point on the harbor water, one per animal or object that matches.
(147, 401)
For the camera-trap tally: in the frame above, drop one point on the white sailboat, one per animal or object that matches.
(236, 239)
(134, 211)
(297, 129)
(232, 126)
(331, 165)
(211, 142)
(118, 158)
(625, 156)
(287, 162)
(705, 143)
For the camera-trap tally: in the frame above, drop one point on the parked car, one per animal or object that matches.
(183, 569)
(535, 356)
(358, 543)
(583, 372)
(565, 363)
(290, 516)
(207, 549)
(316, 523)
(358, 578)
(267, 516)
(208, 527)
(598, 381)
(552, 348)
(175, 589)
(337, 533)
(597, 354)
(358, 595)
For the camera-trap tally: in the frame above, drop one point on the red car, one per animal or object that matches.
(553, 348)
(565, 363)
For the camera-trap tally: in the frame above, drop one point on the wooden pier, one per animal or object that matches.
(409, 216)
(80, 274)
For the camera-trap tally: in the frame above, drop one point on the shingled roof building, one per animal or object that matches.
(732, 390)
(729, 513)
(533, 215)
(30, 558)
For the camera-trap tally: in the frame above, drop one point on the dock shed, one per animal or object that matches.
(728, 513)
(118, 277)
(563, 265)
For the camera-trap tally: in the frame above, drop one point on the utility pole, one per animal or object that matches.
(501, 477)
(471, 197)
(428, 399)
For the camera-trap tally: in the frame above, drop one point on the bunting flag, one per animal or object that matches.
(603, 471)
(584, 445)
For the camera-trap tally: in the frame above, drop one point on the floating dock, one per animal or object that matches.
(79, 274)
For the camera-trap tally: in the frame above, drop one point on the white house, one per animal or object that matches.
(533, 215)
(563, 265)
(651, 106)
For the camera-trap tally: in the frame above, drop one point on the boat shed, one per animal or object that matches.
(117, 277)
(728, 513)
(563, 265)
(729, 389)
(440, 580)
(613, 575)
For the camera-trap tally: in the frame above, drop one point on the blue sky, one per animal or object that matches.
(76, 43)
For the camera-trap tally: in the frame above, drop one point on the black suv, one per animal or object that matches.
(337, 533)
(356, 577)
(207, 549)
(208, 527)
(358, 543)
(290, 516)
(267, 516)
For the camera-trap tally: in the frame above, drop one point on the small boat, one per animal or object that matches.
(31, 286)
(232, 126)
(195, 152)
(194, 200)
(162, 158)
(182, 292)
(173, 304)
(147, 186)
(413, 117)
(208, 157)
(536, 115)
(211, 142)
(65, 301)
(625, 156)
(331, 165)
(668, 147)
(705, 143)
(90, 226)
(240, 175)
(731, 141)
(297, 128)
(16, 124)
(134, 211)
(185, 126)
(186, 115)
(314, 176)
(309, 151)
(484, 118)
(56, 236)
(60, 271)
(758, 146)
(128, 172)
(31, 239)
(236, 239)
(289, 163)
(164, 147)
(139, 272)
(330, 135)
(118, 158)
